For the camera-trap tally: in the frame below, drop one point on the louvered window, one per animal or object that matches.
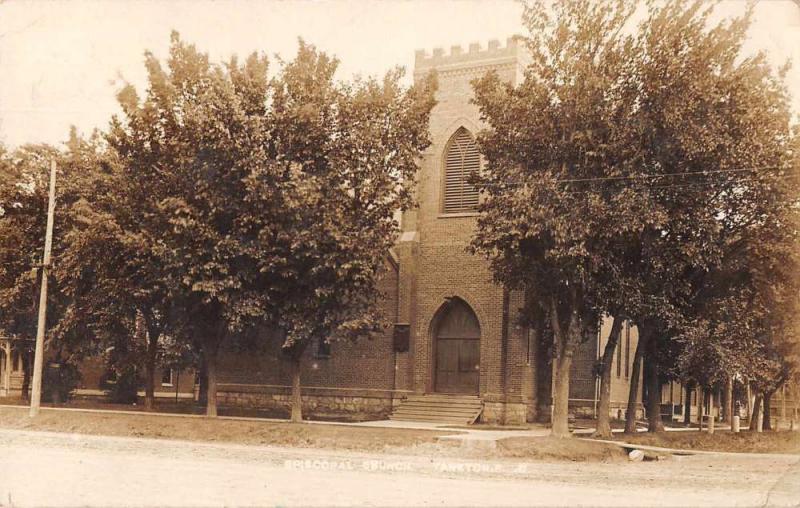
(461, 161)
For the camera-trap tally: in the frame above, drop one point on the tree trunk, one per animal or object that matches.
(633, 390)
(297, 397)
(564, 341)
(150, 367)
(211, 370)
(687, 404)
(560, 420)
(654, 423)
(202, 381)
(26, 373)
(728, 416)
(755, 413)
(701, 405)
(604, 403)
(767, 411)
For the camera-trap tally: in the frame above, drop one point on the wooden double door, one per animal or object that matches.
(457, 350)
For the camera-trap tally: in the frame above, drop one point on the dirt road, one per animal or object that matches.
(38, 468)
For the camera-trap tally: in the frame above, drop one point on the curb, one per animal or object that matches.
(677, 451)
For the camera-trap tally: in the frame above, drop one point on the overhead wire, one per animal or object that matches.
(644, 184)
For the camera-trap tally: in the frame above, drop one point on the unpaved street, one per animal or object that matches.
(68, 470)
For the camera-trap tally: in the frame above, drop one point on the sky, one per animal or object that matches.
(62, 62)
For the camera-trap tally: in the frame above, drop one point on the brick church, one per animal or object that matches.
(455, 335)
(455, 331)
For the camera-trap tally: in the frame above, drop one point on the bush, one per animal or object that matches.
(59, 381)
(121, 386)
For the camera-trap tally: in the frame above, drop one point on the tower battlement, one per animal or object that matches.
(473, 54)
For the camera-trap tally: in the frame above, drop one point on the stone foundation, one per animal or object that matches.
(346, 403)
(504, 413)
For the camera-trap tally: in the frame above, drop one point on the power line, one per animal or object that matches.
(644, 185)
(650, 177)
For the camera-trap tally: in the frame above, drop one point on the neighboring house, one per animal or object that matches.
(11, 368)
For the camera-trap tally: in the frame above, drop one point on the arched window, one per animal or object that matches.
(461, 160)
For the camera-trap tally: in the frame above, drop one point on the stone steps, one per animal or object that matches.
(438, 408)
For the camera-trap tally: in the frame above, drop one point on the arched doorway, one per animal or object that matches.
(457, 338)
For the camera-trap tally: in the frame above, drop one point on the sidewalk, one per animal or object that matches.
(643, 428)
(454, 433)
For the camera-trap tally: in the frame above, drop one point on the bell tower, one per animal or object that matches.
(435, 266)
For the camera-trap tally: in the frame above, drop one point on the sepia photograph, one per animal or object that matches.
(393, 253)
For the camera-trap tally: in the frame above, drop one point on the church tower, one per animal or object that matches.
(463, 333)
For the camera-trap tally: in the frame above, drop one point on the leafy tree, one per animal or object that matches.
(716, 121)
(543, 231)
(23, 213)
(351, 150)
(269, 203)
(112, 273)
(623, 166)
(186, 150)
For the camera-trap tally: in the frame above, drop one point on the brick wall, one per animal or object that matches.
(357, 377)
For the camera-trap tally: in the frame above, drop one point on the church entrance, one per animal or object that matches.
(457, 358)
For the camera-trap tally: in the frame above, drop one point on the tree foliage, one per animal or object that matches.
(268, 202)
(629, 164)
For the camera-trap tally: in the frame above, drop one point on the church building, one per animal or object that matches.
(455, 351)
(455, 347)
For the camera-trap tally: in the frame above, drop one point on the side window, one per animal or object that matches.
(166, 377)
(462, 159)
(323, 349)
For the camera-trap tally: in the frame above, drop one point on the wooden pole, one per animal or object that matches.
(38, 359)
(711, 411)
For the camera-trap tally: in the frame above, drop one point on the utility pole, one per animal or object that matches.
(38, 359)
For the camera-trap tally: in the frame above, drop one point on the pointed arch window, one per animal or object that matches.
(462, 159)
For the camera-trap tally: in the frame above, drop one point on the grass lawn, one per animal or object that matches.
(183, 406)
(722, 441)
(338, 437)
(217, 430)
(555, 449)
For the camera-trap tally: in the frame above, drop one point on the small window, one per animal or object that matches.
(531, 339)
(166, 377)
(323, 349)
(462, 159)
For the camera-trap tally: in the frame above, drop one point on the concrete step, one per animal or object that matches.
(434, 403)
(439, 408)
(448, 409)
(432, 419)
(447, 398)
